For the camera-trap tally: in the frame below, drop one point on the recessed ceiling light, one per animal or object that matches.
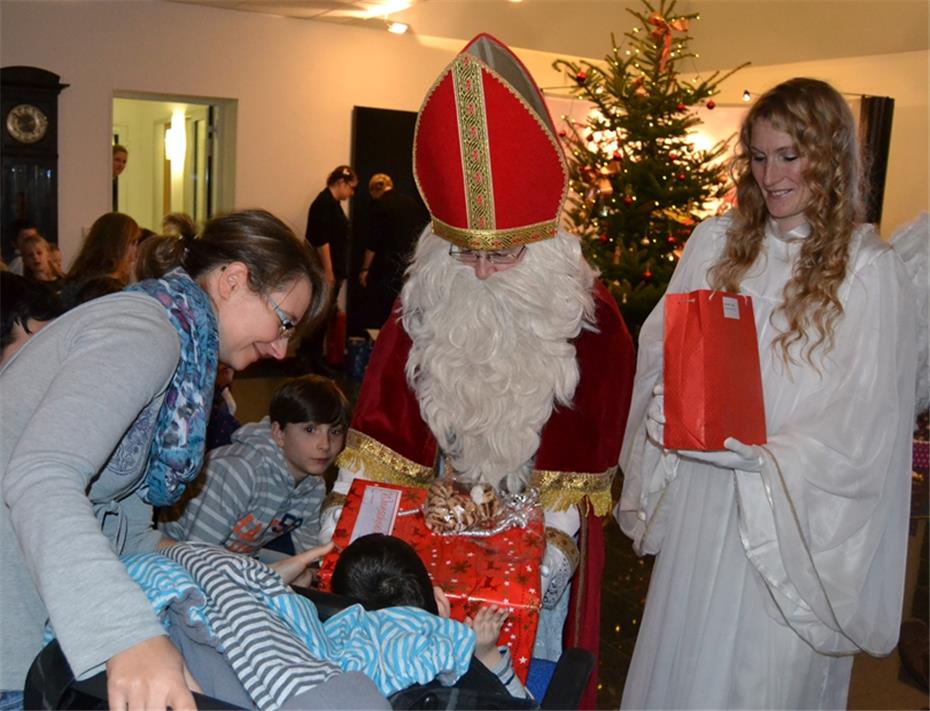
(398, 28)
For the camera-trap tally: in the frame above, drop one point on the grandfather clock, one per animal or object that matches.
(29, 114)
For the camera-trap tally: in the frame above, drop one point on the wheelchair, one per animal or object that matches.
(50, 683)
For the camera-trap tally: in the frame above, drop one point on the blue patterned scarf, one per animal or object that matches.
(178, 445)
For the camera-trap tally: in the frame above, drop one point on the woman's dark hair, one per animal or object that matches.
(75, 293)
(343, 172)
(105, 248)
(383, 571)
(272, 252)
(309, 398)
(22, 300)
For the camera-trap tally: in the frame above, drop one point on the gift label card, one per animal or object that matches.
(730, 307)
(377, 512)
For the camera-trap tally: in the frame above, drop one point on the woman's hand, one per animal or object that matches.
(296, 569)
(744, 457)
(150, 675)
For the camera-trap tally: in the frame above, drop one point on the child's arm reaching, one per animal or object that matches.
(487, 624)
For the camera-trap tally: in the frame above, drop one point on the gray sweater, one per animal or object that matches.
(246, 496)
(69, 470)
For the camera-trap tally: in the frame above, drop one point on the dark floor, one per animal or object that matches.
(876, 684)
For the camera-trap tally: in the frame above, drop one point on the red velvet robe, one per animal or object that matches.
(574, 464)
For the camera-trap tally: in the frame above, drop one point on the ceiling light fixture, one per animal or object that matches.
(398, 28)
(746, 95)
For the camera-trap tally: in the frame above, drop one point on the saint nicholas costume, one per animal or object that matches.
(489, 166)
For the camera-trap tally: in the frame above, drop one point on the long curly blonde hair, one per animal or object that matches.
(821, 124)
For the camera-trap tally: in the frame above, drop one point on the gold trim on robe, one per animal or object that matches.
(557, 490)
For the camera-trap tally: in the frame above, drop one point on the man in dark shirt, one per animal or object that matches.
(396, 222)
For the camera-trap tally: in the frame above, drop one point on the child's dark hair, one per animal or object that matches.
(383, 571)
(309, 398)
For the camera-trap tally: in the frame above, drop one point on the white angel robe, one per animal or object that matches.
(765, 584)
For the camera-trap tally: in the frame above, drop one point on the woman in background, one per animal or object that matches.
(777, 563)
(109, 250)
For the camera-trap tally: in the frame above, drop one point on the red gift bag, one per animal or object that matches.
(713, 383)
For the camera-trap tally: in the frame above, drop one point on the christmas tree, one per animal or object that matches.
(638, 185)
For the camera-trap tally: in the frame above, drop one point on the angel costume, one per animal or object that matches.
(767, 583)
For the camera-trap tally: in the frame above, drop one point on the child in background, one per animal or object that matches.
(37, 261)
(269, 481)
(384, 571)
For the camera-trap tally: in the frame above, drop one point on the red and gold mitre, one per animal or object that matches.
(486, 157)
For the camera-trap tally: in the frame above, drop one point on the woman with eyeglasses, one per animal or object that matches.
(91, 442)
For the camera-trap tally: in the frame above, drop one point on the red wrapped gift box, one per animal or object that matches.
(502, 569)
(713, 381)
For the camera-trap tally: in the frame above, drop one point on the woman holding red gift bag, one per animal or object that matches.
(778, 562)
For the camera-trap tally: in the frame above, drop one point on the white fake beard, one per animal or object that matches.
(491, 358)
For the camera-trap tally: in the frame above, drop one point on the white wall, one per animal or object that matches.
(296, 82)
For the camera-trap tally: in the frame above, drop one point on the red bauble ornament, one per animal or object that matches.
(673, 155)
(671, 239)
(603, 237)
(580, 77)
(681, 176)
(681, 106)
(711, 104)
(562, 134)
(617, 155)
(627, 200)
(647, 275)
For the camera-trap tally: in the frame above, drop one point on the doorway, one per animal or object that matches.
(181, 157)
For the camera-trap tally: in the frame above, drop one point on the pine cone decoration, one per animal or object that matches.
(485, 498)
(448, 511)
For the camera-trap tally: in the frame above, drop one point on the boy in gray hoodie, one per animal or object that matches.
(269, 481)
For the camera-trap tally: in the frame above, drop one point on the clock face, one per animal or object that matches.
(27, 123)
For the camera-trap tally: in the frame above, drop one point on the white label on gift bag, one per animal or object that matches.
(377, 512)
(730, 307)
